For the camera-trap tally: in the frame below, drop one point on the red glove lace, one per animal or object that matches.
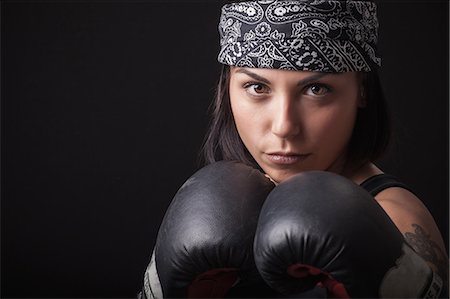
(335, 289)
(213, 284)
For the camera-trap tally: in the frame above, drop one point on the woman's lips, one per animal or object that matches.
(286, 159)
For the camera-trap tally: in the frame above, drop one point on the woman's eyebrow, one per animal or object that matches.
(253, 75)
(311, 78)
(302, 82)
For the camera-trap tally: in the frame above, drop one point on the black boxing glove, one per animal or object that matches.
(205, 242)
(319, 228)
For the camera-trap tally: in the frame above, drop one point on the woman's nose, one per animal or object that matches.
(285, 117)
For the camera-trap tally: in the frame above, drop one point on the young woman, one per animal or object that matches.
(299, 91)
(314, 118)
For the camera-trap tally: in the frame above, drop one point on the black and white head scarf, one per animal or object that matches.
(312, 35)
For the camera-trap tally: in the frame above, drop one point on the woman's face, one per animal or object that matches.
(294, 121)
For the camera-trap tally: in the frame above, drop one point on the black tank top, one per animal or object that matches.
(379, 182)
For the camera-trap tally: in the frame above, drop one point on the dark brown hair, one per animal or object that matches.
(370, 138)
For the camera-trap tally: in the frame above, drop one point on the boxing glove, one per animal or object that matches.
(205, 242)
(320, 229)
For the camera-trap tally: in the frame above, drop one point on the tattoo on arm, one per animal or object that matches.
(428, 250)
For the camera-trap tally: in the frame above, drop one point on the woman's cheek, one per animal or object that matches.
(337, 128)
(248, 128)
(248, 118)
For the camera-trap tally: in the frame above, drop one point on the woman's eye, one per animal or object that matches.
(317, 89)
(256, 88)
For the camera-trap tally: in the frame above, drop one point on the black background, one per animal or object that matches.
(104, 108)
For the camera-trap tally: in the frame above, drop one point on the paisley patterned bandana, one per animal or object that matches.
(313, 35)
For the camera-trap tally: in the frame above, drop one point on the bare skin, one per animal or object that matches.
(413, 220)
(308, 114)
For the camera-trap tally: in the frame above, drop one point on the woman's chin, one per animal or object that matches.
(280, 177)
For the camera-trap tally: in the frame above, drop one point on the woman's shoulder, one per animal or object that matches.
(417, 225)
(403, 206)
(414, 221)
(389, 192)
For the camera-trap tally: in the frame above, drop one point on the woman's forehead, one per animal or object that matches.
(267, 74)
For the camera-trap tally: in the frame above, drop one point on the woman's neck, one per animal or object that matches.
(362, 173)
(357, 174)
